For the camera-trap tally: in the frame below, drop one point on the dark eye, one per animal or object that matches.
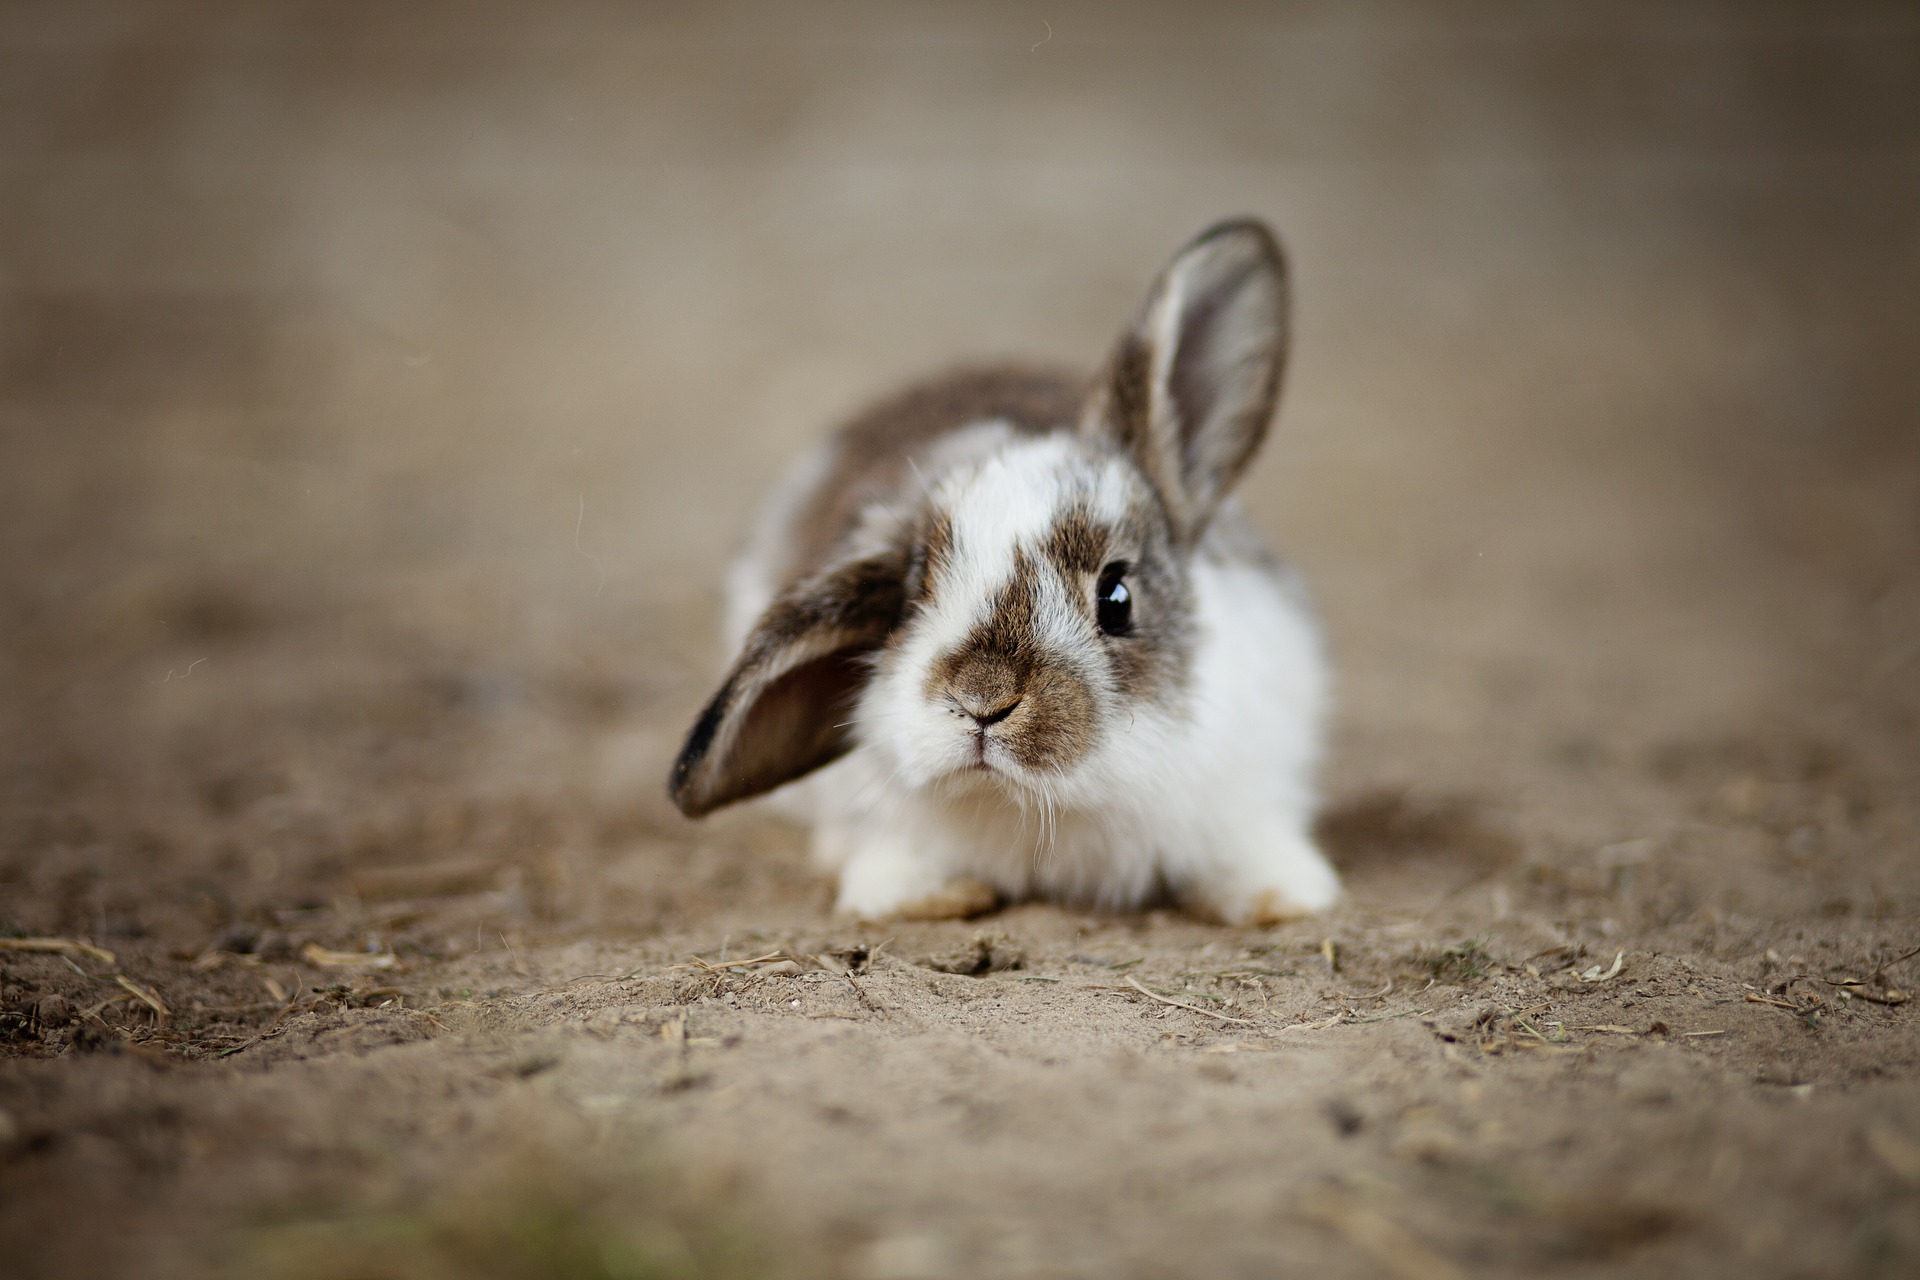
(1112, 602)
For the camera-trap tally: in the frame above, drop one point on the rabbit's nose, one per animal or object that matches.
(988, 716)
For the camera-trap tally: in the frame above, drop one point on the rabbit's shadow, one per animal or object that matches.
(1391, 839)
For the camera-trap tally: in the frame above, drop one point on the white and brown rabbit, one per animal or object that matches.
(1030, 642)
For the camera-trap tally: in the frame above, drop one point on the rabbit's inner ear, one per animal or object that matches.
(784, 710)
(1192, 386)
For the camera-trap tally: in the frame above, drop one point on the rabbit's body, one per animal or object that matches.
(1038, 650)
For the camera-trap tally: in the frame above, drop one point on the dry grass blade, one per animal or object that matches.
(712, 966)
(323, 958)
(1334, 1021)
(1899, 959)
(244, 1045)
(96, 1009)
(1375, 1235)
(143, 995)
(1612, 1028)
(59, 946)
(1383, 1017)
(1538, 1034)
(1596, 974)
(1181, 1004)
(859, 991)
(1789, 1006)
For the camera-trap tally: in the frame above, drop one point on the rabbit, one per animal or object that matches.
(1032, 647)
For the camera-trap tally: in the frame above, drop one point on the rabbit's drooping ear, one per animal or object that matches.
(784, 708)
(1193, 382)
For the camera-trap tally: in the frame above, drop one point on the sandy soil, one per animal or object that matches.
(383, 388)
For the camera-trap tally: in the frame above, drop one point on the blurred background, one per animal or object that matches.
(384, 387)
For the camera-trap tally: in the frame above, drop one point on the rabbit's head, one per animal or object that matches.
(1021, 616)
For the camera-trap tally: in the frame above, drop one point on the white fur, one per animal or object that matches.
(1212, 797)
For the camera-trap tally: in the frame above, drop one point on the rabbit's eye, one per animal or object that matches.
(1112, 602)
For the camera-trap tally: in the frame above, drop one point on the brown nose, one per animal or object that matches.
(983, 717)
(985, 689)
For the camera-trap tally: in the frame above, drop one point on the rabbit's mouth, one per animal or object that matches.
(983, 745)
(980, 760)
(993, 765)
(986, 761)
(996, 745)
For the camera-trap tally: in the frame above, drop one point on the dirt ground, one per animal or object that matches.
(383, 389)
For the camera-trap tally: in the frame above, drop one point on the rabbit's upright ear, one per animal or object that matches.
(1192, 384)
(785, 706)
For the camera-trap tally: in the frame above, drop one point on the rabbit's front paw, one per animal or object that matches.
(886, 882)
(1277, 877)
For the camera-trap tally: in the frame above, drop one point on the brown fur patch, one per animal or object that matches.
(934, 558)
(1054, 724)
(1129, 395)
(1121, 413)
(1078, 545)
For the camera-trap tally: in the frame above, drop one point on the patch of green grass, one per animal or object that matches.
(538, 1220)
